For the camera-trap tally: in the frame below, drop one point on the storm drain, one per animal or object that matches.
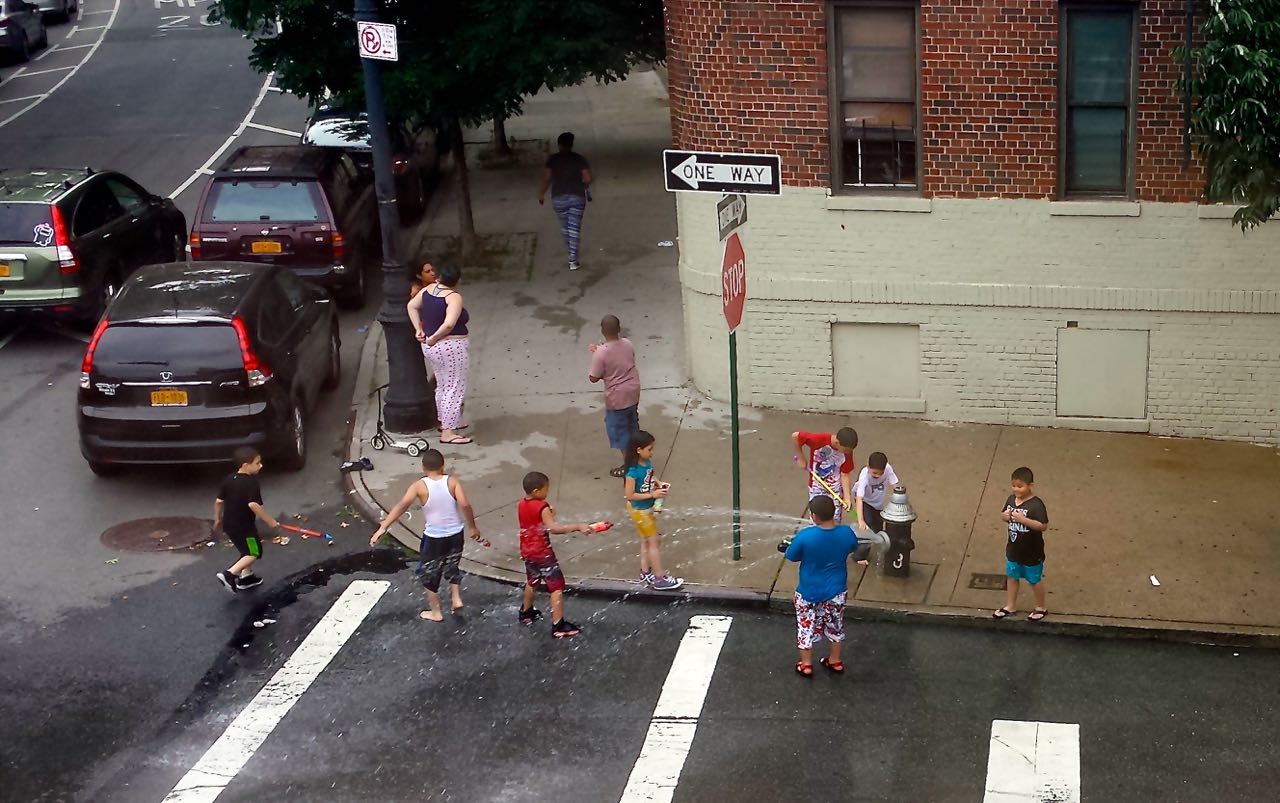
(163, 534)
(987, 582)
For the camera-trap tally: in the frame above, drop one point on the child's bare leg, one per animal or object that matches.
(835, 651)
(806, 656)
(455, 596)
(527, 601)
(243, 566)
(433, 602)
(655, 559)
(1011, 595)
(557, 606)
(1038, 591)
(644, 556)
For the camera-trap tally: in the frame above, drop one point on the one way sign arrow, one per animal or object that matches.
(748, 173)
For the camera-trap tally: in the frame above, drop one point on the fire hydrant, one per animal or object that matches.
(898, 516)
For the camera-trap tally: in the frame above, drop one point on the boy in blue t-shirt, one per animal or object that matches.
(823, 554)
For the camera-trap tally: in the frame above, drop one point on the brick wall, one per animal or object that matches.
(752, 76)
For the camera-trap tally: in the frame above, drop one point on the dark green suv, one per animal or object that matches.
(70, 237)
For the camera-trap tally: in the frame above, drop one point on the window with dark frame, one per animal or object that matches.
(877, 103)
(1097, 102)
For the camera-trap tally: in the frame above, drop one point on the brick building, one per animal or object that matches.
(988, 214)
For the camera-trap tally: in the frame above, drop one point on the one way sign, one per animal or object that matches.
(753, 173)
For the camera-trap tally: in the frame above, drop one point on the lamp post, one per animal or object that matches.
(408, 405)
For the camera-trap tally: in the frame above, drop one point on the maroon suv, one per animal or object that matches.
(305, 208)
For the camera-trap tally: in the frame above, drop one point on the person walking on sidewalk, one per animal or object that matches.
(641, 489)
(1024, 553)
(829, 464)
(823, 554)
(537, 522)
(569, 177)
(444, 507)
(440, 324)
(235, 512)
(614, 363)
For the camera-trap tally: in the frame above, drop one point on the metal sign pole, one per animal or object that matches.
(733, 434)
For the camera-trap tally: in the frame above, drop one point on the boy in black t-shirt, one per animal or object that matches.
(238, 504)
(1024, 554)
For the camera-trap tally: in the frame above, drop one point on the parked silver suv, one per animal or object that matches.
(21, 29)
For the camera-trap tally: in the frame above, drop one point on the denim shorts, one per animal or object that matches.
(1019, 571)
(619, 424)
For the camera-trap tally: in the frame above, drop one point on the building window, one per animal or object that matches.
(876, 108)
(1097, 104)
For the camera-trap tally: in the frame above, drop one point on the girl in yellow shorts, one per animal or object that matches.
(640, 489)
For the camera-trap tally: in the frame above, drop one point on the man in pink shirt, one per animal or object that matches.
(614, 361)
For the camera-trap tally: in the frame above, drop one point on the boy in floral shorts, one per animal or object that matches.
(823, 553)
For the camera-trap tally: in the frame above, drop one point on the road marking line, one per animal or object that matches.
(19, 100)
(45, 52)
(248, 118)
(675, 719)
(79, 28)
(237, 744)
(93, 48)
(25, 74)
(99, 11)
(16, 331)
(1033, 762)
(274, 130)
(75, 47)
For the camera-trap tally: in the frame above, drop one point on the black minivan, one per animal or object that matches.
(192, 360)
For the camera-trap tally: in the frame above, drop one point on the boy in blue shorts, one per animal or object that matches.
(1024, 554)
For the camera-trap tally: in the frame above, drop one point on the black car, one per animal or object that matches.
(69, 237)
(193, 360)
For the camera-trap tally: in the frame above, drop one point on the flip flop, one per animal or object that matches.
(834, 666)
(1002, 613)
(1037, 615)
(456, 441)
(803, 669)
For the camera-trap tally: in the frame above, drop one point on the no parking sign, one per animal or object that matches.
(377, 40)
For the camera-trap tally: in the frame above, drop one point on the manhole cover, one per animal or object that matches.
(161, 534)
(987, 582)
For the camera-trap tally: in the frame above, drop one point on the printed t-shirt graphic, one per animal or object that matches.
(873, 490)
(642, 473)
(1026, 546)
(825, 461)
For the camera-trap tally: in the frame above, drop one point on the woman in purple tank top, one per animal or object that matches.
(440, 324)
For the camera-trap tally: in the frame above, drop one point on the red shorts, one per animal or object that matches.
(545, 573)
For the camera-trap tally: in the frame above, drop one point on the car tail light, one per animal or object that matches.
(67, 262)
(339, 247)
(256, 370)
(86, 365)
(194, 242)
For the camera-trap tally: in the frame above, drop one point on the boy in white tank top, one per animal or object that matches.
(444, 508)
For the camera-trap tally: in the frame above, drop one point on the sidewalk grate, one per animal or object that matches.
(987, 582)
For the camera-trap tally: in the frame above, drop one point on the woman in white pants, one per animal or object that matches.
(440, 324)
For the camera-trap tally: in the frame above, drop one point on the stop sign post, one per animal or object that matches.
(733, 295)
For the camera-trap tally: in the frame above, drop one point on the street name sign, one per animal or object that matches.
(377, 40)
(696, 171)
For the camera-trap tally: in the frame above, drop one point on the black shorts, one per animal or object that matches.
(248, 544)
(872, 517)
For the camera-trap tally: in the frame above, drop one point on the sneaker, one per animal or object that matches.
(574, 265)
(229, 581)
(667, 583)
(248, 581)
(646, 579)
(565, 629)
(530, 616)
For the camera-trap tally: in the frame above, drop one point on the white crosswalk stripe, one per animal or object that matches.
(1033, 762)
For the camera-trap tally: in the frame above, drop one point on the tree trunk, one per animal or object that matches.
(501, 147)
(466, 220)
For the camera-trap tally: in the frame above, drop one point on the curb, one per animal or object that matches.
(1063, 625)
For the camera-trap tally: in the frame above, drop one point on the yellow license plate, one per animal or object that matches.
(4, 270)
(265, 247)
(168, 398)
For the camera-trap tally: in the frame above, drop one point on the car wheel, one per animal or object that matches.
(334, 374)
(353, 295)
(295, 450)
(102, 469)
(24, 49)
(44, 37)
(179, 248)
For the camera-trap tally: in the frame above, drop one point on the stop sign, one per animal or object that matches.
(733, 281)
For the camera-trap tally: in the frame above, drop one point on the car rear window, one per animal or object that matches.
(26, 223)
(234, 201)
(185, 347)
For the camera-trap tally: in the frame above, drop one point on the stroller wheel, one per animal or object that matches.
(378, 443)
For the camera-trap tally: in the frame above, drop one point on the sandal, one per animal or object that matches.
(1002, 613)
(803, 669)
(456, 441)
(834, 666)
(619, 472)
(1037, 614)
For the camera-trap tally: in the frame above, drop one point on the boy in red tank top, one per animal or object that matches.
(537, 523)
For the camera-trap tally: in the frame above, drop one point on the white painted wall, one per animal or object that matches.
(990, 282)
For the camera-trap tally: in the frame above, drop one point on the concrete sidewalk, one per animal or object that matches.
(1195, 514)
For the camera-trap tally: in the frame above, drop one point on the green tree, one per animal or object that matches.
(1236, 119)
(462, 62)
